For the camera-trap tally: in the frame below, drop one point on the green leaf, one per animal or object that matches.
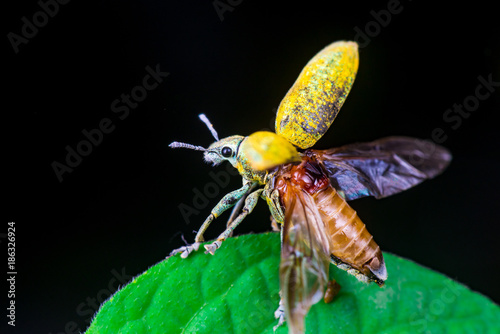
(236, 291)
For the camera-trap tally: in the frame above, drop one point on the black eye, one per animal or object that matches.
(227, 152)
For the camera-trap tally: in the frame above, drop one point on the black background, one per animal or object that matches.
(118, 209)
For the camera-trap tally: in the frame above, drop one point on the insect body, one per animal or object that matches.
(307, 192)
(346, 236)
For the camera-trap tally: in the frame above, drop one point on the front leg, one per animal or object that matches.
(225, 203)
(250, 203)
(239, 205)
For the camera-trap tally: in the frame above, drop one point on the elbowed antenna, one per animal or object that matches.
(177, 144)
(205, 120)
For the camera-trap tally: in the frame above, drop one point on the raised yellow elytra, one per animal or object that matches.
(313, 102)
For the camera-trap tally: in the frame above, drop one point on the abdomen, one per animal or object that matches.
(350, 241)
(352, 247)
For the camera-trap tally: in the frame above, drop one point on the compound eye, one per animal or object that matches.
(227, 152)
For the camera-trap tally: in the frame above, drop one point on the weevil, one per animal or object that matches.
(307, 190)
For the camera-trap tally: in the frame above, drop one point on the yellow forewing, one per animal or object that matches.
(313, 102)
(265, 150)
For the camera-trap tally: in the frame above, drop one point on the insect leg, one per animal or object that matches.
(280, 314)
(332, 290)
(225, 203)
(236, 210)
(250, 203)
(239, 205)
(274, 203)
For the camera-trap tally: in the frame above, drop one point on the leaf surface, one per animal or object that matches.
(237, 291)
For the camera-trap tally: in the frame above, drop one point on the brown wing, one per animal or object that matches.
(304, 256)
(383, 167)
